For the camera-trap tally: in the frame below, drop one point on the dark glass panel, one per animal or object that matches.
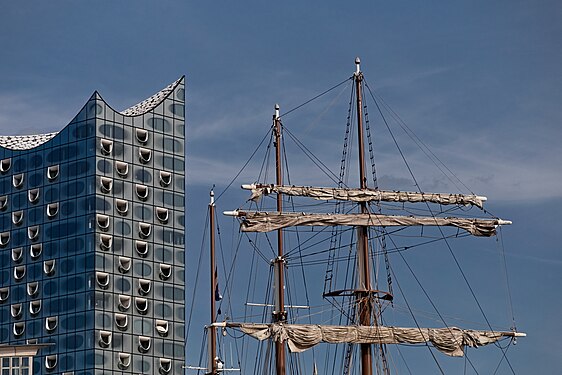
(19, 200)
(34, 271)
(73, 245)
(35, 179)
(20, 164)
(159, 124)
(5, 222)
(112, 131)
(118, 187)
(143, 269)
(71, 342)
(171, 145)
(50, 288)
(35, 327)
(142, 212)
(104, 166)
(177, 109)
(74, 188)
(70, 303)
(52, 194)
(180, 94)
(67, 265)
(171, 199)
(102, 204)
(35, 161)
(4, 332)
(118, 149)
(83, 130)
(181, 220)
(122, 227)
(143, 175)
(172, 236)
(164, 309)
(181, 129)
(180, 256)
(18, 237)
(122, 285)
(35, 215)
(4, 278)
(64, 229)
(59, 154)
(4, 258)
(50, 249)
(17, 293)
(68, 208)
(5, 186)
(78, 168)
(171, 163)
(163, 254)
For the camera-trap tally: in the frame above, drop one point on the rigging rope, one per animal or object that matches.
(335, 237)
(188, 327)
(316, 97)
(242, 169)
(425, 149)
(439, 228)
(382, 237)
(507, 285)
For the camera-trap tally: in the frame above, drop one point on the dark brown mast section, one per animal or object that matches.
(212, 329)
(364, 301)
(279, 315)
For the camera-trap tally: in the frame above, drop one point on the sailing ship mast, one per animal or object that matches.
(363, 293)
(213, 360)
(279, 314)
(368, 332)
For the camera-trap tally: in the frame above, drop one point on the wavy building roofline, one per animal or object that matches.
(28, 142)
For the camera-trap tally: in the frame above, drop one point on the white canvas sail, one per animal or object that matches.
(300, 337)
(257, 221)
(365, 195)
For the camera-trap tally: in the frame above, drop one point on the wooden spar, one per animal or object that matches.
(364, 302)
(212, 329)
(279, 315)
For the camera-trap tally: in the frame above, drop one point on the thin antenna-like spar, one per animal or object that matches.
(280, 314)
(363, 293)
(212, 329)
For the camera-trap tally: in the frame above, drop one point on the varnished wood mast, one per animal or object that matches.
(212, 329)
(279, 315)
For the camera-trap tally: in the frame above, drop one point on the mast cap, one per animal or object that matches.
(357, 66)
(212, 195)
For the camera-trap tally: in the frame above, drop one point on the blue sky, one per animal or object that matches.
(480, 82)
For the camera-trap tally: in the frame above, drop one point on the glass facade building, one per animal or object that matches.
(92, 227)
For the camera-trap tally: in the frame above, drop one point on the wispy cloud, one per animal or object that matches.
(21, 115)
(489, 161)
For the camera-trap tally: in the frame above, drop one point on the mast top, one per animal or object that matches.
(212, 195)
(357, 65)
(276, 116)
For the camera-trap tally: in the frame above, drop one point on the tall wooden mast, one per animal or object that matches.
(280, 314)
(212, 329)
(364, 296)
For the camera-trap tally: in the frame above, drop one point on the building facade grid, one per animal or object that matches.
(92, 227)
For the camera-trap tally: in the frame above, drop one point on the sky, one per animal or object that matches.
(479, 82)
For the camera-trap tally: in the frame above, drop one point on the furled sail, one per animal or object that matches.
(300, 337)
(364, 195)
(256, 221)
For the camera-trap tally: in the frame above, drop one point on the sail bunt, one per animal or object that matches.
(258, 221)
(300, 337)
(364, 195)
